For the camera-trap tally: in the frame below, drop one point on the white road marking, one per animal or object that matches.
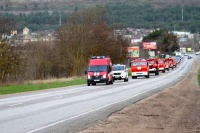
(15, 104)
(58, 97)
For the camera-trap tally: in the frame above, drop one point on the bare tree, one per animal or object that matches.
(40, 60)
(9, 60)
(75, 40)
(6, 26)
(9, 54)
(84, 35)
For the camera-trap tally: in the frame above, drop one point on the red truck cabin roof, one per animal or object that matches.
(100, 61)
(169, 59)
(152, 59)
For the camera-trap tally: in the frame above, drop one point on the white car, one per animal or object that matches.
(120, 72)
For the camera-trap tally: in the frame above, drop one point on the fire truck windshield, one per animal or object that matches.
(139, 63)
(99, 68)
(116, 68)
(151, 62)
(160, 61)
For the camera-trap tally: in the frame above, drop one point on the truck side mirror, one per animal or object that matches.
(86, 72)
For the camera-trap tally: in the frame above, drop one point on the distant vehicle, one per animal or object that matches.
(178, 58)
(197, 53)
(190, 56)
(178, 53)
(170, 62)
(167, 56)
(161, 65)
(162, 56)
(120, 72)
(99, 70)
(167, 65)
(153, 65)
(139, 67)
(174, 62)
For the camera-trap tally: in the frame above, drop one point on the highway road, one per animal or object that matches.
(71, 109)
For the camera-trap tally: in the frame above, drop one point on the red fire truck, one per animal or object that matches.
(99, 70)
(161, 65)
(139, 67)
(170, 62)
(175, 62)
(153, 65)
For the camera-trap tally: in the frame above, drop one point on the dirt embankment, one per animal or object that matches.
(175, 110)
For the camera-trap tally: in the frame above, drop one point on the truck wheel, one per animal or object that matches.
(88, 84)
(107, 82)
(93, 83)
(126, 80)
(157, 73)
(167, 69)
(111, 82)
(163, 71)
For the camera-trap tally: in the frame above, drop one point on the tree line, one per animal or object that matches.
(146, 16)
(121, 15)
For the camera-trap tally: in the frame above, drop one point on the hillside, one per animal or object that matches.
(71, 5)
(166, 14)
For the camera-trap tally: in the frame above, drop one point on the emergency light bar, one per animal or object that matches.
(117, 64)
(98, 57)
(139, 59)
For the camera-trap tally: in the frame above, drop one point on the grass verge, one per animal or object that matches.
(42, 86)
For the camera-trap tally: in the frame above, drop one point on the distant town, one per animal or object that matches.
(134, 36)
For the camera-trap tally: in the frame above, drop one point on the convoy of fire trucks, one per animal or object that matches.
(101, 69)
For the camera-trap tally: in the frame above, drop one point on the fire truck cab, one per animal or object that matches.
(175, 62)
(139, 67)
(170, 62)
(153, 65)
(161, 65)
(99, 70)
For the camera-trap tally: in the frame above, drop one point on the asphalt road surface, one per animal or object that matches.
(71, 109)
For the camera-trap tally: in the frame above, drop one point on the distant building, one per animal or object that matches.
(14, 32)
(136, 39)
(25, 31)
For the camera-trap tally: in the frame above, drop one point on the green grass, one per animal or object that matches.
(199, 77)
(33, 87)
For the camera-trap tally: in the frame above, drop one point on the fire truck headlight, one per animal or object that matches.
(104, 76)
(89, 77)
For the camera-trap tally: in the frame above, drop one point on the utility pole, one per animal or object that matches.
(182, 13)
(60, 18)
